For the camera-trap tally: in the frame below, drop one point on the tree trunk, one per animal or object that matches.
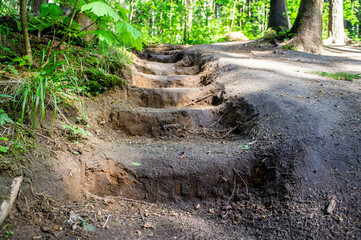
(131, 11)
(233, 14)
(24, 28)
(190, 15)
(35, 6)
(336, 29)
(185, 22)
(278, 16)
(170, 21)
(307, 29)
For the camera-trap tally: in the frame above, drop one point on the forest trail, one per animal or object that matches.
(219, 141)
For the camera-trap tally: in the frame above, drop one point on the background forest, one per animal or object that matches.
(201, 21)
(208, 20)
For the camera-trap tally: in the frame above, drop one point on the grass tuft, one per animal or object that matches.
(339, 75)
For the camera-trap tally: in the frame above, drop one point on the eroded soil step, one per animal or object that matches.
(165, 69)
(167, 52)
(157, 122)
(170, 171)
(166, 58)
(172, 97)
(157, 81)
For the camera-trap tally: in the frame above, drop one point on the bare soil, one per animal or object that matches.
(223, 141)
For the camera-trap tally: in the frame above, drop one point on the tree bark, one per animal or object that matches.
(24, 28)
(278, 16)
(233, 13)
(170, 21)
(185, 23)
(336, 29)
(35, 6)
(307, 29)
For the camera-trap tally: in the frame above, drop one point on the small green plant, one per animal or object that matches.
(339, 75)
(8, 233)
(4, 149)
(57, 79)
(4, 118)
(15, 145)
(74, 133)
(289, 47)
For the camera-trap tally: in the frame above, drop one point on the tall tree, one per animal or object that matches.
(24, 28)
(307, 29)
(185, 22)
(336, 29)
(35, 6)
(278, 16)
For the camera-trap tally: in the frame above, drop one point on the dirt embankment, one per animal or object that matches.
(226, 136)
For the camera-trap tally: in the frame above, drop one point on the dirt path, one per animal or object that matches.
(221, 141)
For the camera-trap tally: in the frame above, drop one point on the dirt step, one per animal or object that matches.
(158, 122)
(165, 69)
(156, 81)
(170, 171)
(169, 52)
(173, 97)
(167, 58)
(167, 47)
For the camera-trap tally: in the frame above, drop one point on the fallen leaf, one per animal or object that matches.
(136, 164)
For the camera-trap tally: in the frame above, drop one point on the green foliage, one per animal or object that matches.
(289, 47)
(15, 143)
(99, 80)
(21, 60)
(74, 133)
(7, 42)
(340, 75)
(4, 118)
(113, 28)
(101, 9)
(47, 86)
(104, 67)
(50, 10)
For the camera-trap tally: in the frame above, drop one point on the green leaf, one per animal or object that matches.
(136, 164)
(5, 96)
(122, 12)
(33, 19)
(100, 9)
(4, 149)
(130, 35)
(4, 118)
(126, 28)
(50, 9)
(106, 36)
